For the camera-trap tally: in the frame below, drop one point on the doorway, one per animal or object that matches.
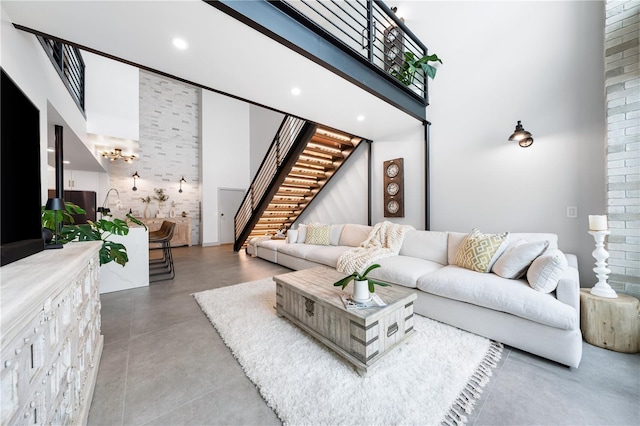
(229, 200)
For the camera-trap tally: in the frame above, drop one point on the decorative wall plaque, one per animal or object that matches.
(394, 188)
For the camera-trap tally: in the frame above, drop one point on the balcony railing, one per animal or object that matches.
(367, 28)
(67, 60)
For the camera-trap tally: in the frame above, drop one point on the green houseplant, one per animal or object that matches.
(100, 230)
(362, 285)
(412, 64)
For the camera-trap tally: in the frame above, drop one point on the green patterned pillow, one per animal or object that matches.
(479, 251)
(319, 235)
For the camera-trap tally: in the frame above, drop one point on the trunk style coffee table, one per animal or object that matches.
(362, 336)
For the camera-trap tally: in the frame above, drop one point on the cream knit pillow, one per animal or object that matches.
(319, 235)
(479, 251)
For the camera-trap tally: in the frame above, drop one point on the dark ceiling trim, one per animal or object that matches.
(277, 25)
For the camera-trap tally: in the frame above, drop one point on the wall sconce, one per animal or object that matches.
(183, 180)
(521, 136)
(135, 176)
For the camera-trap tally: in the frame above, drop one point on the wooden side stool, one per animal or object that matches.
(612, 324)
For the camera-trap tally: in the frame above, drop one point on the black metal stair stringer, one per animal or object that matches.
(305, 135)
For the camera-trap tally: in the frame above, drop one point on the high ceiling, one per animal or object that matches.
(223, 54)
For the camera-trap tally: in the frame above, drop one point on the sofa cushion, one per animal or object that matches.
(403, 270)
(454, 241)
(428, 245)
(318, 235)
(352, 234)
(326, 255)
(271, 244)
(546, 271)
(336, 230)
(479, 251)
(491, 291)
(297, 250)
(515, 260)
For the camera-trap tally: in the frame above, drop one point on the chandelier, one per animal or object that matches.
(117, 154)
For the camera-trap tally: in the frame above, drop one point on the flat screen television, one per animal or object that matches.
(20, 195)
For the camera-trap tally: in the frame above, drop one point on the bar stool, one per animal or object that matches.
(162, 269)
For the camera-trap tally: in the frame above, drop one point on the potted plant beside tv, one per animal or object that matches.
(413, 64)
(362, 285)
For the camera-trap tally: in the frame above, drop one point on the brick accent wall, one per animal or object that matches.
(169, 149)
(622, 84)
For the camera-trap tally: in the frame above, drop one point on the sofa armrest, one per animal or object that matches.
(568, 290)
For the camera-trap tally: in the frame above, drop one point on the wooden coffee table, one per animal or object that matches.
(363, 337)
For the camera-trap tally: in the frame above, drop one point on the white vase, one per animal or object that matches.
(361, 291)
(146, 211)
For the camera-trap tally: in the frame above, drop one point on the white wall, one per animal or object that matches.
(111, 101)
(264, 124)
(225, 155)
(26, 62)
(539, 62)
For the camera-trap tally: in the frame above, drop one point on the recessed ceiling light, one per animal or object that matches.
(295, 91)
(51, 150)
(66, 162)
(179, 43)
(360, 118)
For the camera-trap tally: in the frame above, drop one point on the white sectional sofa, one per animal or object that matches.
(506, 310)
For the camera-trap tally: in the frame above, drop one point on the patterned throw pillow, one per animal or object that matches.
(319, 235)
(479, 251)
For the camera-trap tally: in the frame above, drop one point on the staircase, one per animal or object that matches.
(301, 160)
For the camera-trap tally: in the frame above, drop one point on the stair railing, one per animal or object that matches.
(67, 60)
(285, 138)
(368, 28)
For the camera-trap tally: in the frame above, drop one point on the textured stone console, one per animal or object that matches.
(51, 342)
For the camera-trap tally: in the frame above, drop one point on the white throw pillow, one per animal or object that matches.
(292, 236)
(302, 233)
(545, 272)
(516, 259)
(336, 230)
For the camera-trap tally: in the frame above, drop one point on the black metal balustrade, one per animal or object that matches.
(67, 60)
(368, 28)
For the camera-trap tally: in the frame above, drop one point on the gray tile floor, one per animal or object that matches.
(164, 364)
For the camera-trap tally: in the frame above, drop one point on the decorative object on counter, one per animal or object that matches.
(105, 210)
(172, 212)
(161, 197)
(135, 176)
(183, 180)
(54, 207)
(117, 154)
(362, 285)
(185, 214)
(520, 135)
(146, 200)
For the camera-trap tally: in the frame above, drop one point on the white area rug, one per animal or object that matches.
(433, 378)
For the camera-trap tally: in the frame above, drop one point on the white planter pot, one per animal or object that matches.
(361, 291)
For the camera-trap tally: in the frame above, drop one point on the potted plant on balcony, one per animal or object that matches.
(362, 286)
(412, 64)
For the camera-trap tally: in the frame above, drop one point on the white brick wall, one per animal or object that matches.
(169, 149)
(622, 84)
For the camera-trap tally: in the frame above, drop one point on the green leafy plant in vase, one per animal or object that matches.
(412, 64)
(162, 198)
(363, 285)
(100, 230)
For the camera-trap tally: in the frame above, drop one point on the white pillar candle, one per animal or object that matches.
(598, 223)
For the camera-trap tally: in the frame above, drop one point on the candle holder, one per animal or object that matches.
(602, 288)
